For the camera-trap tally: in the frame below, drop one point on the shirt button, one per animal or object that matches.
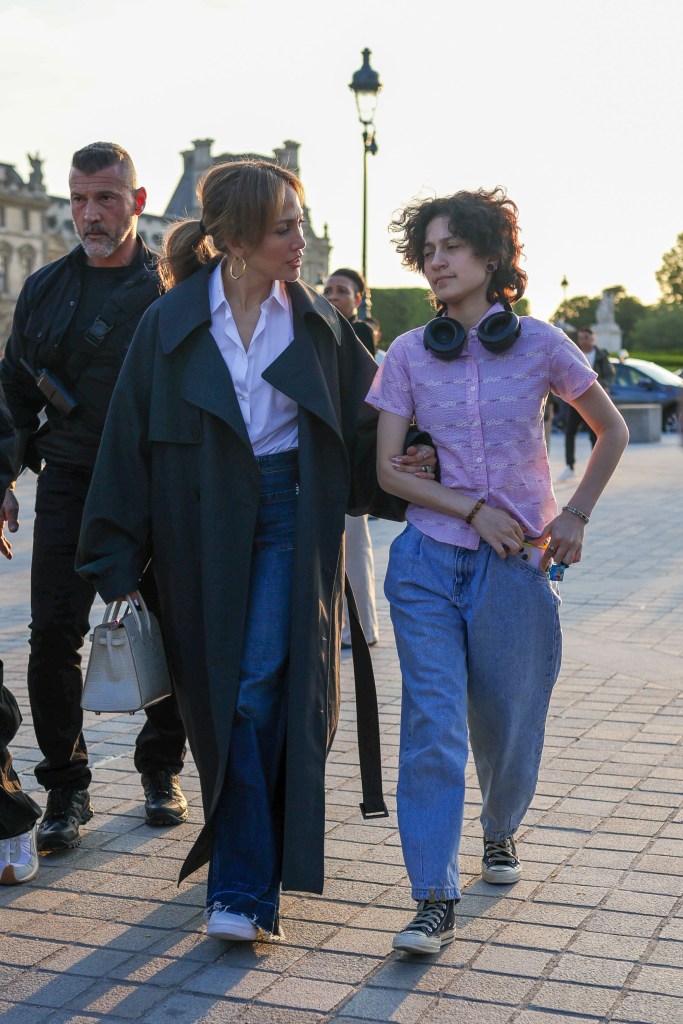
(480, 459)
(473, 387)
(72, 303)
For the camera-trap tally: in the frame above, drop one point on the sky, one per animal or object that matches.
(572, 107)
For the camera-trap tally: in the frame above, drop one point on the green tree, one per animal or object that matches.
(399, 310)
(578, 311)
(522, 307)
(670, 274)
(581, 311)
(659, 328)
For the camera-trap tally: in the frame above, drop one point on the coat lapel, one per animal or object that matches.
(298, 372)
(207, 384)
(185, 318)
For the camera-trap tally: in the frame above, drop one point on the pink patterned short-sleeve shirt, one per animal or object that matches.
(485, 415)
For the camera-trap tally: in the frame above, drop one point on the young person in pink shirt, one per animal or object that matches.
(475, 613)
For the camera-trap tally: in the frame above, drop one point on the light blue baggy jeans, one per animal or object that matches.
(479, 643)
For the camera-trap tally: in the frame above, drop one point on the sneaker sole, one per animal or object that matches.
(45, 846)
(8, 876)
(165, 818)
(415, 942)
(232, 935)
(501, 876)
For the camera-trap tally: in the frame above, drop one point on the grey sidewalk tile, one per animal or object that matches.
(185, 1008)
(513, 961)
(489, 987)
(615, 923)
(387, 1005)
(535, 936)
(25, 952)
(645, 1008)
(230, 982)
(425, 974)
(46, 988)
(640, 903)
(255, 1014)
(573, 895)
(326, 966)
(110, 998)
(155, 970)
(454, 1010)
(86, 960)
(667, 981)
(617, 947)
(564, 996)
(541, 1017)
(305, 994)
(591, 970)
(16, 1013)
(667, 953)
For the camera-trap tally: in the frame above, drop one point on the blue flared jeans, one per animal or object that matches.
(246, 859)
(479, 643)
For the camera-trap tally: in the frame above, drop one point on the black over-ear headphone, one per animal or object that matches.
(445, 337)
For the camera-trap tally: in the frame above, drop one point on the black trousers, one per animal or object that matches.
(61, 602)
(18, 811)
(572, 424)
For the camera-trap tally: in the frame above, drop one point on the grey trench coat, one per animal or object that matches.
(176, 480)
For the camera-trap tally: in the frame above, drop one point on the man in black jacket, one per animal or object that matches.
(73, 323)
(599, 360)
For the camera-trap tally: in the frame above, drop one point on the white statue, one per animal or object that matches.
(605, 310)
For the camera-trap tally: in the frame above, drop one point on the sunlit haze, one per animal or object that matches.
(571, 107)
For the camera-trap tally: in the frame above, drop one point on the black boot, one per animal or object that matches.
(164, 800)
(66, 810)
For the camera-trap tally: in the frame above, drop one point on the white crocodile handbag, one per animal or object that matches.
(127, 670)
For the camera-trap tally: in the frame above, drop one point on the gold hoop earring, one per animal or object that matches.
(233, 275)
(491, 268)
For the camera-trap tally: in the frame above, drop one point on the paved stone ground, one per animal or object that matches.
(593, 932)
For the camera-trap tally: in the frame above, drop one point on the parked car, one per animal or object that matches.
(638, 380)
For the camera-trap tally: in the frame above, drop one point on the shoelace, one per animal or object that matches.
(499, 851)
(427, 918)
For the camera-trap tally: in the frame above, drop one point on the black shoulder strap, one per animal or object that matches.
(129, 298)
(367, 716)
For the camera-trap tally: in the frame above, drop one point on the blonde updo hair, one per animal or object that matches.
(239, 203)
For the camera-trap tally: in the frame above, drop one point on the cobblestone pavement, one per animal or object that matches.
(593, 932)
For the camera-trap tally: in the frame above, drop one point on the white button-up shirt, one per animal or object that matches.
(269, 416)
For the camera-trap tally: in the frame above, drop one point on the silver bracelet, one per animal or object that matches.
(576, 512)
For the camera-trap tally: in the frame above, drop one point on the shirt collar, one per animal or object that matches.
(217, 295)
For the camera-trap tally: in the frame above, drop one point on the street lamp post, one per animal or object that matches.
(365, 85)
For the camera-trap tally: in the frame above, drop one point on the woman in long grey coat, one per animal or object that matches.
(237, 440)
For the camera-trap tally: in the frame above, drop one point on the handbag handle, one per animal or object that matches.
(112, 612)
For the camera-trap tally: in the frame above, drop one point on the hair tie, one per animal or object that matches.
(202, 227)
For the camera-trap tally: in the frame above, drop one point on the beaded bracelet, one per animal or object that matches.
(470, 517)
(576, 512)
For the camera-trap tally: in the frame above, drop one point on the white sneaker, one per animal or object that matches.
(224, 925)
(18, 858)
(567, 473)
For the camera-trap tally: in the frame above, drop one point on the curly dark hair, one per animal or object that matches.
(487, 220)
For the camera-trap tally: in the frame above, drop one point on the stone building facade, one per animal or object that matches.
(36, 228)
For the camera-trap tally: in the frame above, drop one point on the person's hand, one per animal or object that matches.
(566, 539)
(5, 546)
(420, 460)
(499, 529)
(9, 510)
(9, 513)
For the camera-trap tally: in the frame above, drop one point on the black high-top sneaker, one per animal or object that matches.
(432, 927)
